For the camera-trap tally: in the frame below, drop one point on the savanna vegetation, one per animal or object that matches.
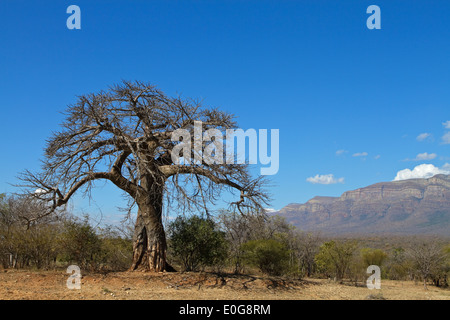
(226, 243)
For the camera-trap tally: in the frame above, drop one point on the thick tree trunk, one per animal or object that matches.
(149, 241)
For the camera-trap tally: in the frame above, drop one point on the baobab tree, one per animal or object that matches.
(124, 135)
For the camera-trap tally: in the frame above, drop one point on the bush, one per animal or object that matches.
(23, 244)
(117, 250)
(335, 258)
(373, 257)
(398, 266)
(81, 245)
(270, 256)
(429, 260)
(40, 245)
(196, 243)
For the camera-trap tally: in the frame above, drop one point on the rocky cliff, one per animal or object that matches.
(416, 206)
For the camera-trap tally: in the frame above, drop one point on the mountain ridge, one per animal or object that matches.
(415, 206)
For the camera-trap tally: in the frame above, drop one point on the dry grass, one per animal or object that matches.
(51, 285)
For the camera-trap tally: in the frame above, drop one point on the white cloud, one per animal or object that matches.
(423, 136)
(341, 152)
(422, 171)
(325, 179)
(446, 138)
(360, 154)
(425, 156)
(446, 124)
(377, 157)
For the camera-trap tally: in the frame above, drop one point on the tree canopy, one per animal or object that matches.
(124, 135)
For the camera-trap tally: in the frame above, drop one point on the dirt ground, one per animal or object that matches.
(51, 285)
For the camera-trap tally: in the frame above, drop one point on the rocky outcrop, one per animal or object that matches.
(413, 206)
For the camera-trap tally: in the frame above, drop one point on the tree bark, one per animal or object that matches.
(149, 240)
(149, 243)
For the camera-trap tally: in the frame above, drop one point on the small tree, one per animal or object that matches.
(428, 257)
(117, 248)
(335, 257)
(373, 257)
(269, 255)
(307, 248)
(80, 244)
(40, 244)
(6, 224)
(241, 228)
(196, 242)
(237, 232)
(398, 264)
(22, 242)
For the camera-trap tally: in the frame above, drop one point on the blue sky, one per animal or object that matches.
(311, 69)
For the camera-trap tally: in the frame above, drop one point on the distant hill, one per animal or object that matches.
(416, 206)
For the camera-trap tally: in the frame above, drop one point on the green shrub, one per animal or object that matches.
(117, 251)
(270, 256)
(81, 245)
(398, 266)
(196, 243)
(373, 256)
(335, 258)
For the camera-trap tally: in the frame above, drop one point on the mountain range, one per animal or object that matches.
(415, 206)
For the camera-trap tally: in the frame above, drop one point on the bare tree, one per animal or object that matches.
(239, 229)
(23, 242)
(428, 257)
(124, 135)
(307, 248)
